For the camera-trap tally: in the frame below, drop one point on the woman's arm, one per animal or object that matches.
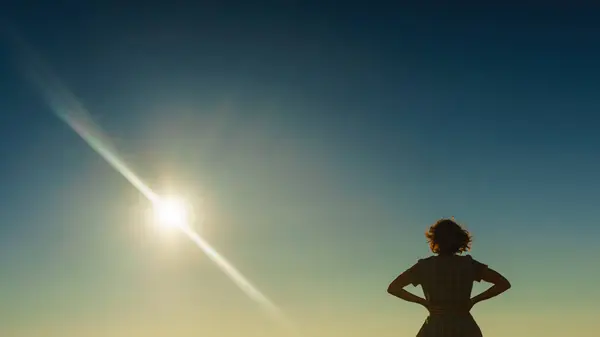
(500, 285)
(396, 288)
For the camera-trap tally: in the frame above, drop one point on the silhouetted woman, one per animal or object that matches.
(447, 280)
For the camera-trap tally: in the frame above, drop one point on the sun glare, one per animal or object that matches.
(171, 212)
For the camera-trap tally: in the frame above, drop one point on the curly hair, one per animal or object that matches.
(448, 237)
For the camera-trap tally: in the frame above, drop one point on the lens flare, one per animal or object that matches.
(171, 212)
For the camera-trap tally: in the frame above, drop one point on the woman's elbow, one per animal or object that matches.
(393, 289)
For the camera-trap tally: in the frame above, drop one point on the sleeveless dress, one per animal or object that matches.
(447, 282)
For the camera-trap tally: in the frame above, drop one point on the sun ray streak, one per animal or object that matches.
(69, 109)
(235, 275)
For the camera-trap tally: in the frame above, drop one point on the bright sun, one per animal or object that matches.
(171, 212)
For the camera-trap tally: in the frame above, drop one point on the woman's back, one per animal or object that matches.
(447, 281)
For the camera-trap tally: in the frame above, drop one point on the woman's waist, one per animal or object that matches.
(450, 308)
(449, 313)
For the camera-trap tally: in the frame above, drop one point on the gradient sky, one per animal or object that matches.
(323, 140)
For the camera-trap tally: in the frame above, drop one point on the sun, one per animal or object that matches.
(171, 212)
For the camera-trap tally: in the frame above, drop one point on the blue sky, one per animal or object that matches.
(323, 140)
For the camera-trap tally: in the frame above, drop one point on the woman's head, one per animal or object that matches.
(446, 237)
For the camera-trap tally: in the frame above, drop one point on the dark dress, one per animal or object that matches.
(447, 282)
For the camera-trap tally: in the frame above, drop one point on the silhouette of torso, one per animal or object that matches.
(447, 282)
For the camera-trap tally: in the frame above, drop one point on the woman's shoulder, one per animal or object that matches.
(455, 258)
(426, 259)
(470, 258)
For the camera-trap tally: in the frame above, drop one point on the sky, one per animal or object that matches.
(320, 140)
